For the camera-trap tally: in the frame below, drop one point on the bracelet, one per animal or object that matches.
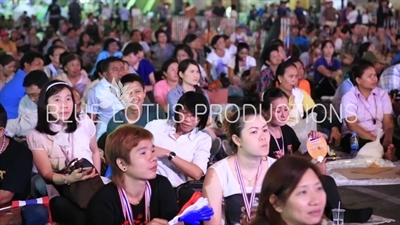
(65, 180)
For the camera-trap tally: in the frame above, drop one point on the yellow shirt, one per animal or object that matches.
(10, 48)
(307, 103)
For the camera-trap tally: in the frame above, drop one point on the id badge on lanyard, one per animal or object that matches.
(248, 203)
(126, 206)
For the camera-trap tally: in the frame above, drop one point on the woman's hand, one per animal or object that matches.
(157, 221)
(315, 134)
(80, 175)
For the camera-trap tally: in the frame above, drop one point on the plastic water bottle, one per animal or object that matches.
(353, 144)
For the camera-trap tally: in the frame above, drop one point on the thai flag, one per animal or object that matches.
(37, 201)
(314, 140)
(43, 201)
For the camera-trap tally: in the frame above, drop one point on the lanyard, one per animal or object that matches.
(248, 204)
(53, 70)
(374, 118)
(281, 150)
(126, 206)
(65, 152)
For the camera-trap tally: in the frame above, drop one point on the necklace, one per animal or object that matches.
(3, 144)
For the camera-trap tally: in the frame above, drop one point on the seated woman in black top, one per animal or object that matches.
(136, 195)
(284, 141)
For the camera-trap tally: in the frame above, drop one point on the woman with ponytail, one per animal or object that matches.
(237, 179)
(189, 78)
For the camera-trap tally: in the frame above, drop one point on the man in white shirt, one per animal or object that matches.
(104, 99)
(182, 148)
(352, 16)
(106, 12)
(124, 15)
(27, 109)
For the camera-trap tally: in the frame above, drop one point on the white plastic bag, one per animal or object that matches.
(372, 150)
(303, 129)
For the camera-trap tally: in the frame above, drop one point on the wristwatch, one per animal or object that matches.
(171, 156)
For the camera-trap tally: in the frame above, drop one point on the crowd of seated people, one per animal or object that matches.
(145, 112)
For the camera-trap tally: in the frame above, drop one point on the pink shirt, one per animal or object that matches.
(80, 86)
(375, 107)
(64, 146)
(160, 91)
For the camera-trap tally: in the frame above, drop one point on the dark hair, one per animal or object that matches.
(363, 48)
(358, 70)
(189, 38)
(325, 42)
(197, 104)
(57, 40)
(278, 42)
(43, 125)
(6, 59)
(294, 60)
(130, 78)
(267, 53)
(352, 26)
(160, 31)
(51, 51)
(167, 63)
(108, 61)
(133, 32)
(133, 47)
(235, 128)
(240, 46)
(183, 66)
(108, 42)
(270, 95)
(69, 58)
(29, 57)
(63, 55)
(215, 39)
(280, 71)
(185, 48)
(3, 117)
(99, 69)
(69, 30)
(36, 77)
(281, 180)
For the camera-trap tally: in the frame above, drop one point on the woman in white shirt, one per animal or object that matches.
(232, 180)
(217, 60)
(352, 16)
(242, 68)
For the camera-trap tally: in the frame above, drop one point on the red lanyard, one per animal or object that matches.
(247, 203)
(126, 206)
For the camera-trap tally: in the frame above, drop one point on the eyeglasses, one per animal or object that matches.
(33, 95)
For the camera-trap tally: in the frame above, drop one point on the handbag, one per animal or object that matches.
(11, 217)
(186, 190)
(82, 191)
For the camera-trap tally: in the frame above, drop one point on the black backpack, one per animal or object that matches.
(186, 190)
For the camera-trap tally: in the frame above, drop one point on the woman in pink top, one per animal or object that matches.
(74, 75)
(162, 87)
(61, 135)
(367, 108)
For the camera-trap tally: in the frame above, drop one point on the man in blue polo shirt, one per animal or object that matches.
(13, 91)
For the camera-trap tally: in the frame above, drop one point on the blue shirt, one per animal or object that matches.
(144, 70)
(104, 55)
(173, 98)
(12, 93)
(321, 61)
